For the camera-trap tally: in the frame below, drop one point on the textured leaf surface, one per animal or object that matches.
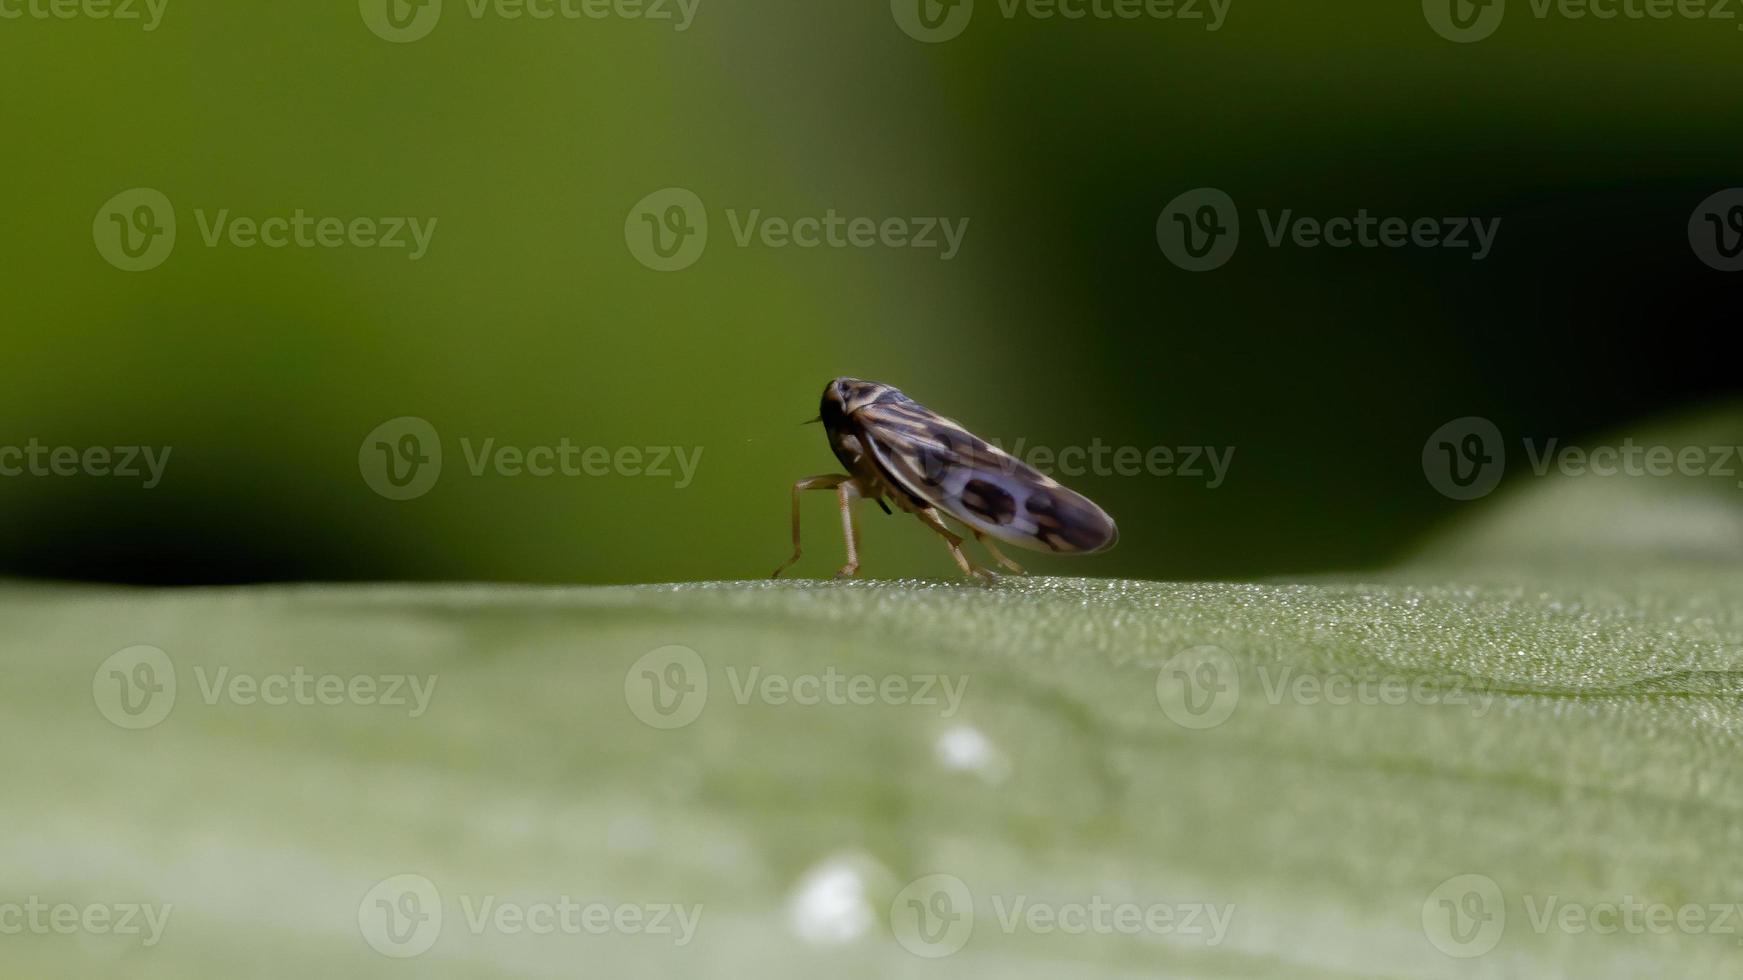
(1578, 743)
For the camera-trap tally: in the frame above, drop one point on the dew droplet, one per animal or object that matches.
(964, 748)
(828, 906)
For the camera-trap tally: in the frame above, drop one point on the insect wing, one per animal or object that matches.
(938, 461)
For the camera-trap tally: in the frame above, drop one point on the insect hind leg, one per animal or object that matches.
(998, 556)
(953, 541)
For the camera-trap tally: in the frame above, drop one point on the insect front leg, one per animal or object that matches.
(846, 493)
(998, 556)
(930, 518)
(829, 482)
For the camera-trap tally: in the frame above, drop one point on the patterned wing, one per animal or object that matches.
(940, 462)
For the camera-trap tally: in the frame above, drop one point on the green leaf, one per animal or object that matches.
(1574, 744)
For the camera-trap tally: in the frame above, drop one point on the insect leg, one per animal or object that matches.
(846, 493)
(998, 556)
(828, 482)
(930, 518)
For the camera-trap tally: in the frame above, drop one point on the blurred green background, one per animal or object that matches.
(1060, 322)
(1603, 612)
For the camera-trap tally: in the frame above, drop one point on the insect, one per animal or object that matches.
(896, 449)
